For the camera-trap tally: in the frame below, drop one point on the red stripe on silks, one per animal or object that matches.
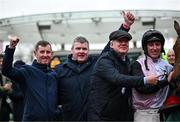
(171, 100)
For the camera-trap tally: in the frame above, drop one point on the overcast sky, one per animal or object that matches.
(10, 8)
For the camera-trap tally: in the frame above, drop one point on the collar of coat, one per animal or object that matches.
(114, 56)
(43, 67)
(75, 66)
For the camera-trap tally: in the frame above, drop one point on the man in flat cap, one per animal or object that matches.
(74, 76)
(109, 99)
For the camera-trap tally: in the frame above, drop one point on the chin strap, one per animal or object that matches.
(145, 62)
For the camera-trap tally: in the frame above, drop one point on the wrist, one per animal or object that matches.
(145, 80)
(11, 47)
(126, 26)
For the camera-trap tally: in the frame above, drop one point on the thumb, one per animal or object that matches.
(123, 13)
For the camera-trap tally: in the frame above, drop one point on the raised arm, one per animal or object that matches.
(128, 21)
(7, 68)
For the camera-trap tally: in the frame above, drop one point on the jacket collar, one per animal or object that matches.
(69, 60)
(117, 58)
(74, 64)
(43, 67)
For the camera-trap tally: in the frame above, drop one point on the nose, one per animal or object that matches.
(46, 53)
(155, 46)
(81, 50)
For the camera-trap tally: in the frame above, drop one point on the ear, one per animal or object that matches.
(34, 52)
(71, 50)
(52, 55)
(111, 43)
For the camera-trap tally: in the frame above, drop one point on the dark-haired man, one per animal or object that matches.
(37, 80)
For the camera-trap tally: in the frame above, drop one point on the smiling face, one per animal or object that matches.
(154, 49)
(43, 54)
(120, 46)
(80, 51)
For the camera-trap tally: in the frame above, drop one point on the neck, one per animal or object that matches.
(121, 55)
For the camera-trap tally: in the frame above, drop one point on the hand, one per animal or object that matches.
(13, 41)
(152, 79)
(128, 19)
(7, 87)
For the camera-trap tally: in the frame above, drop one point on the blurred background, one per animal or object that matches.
(60, 21)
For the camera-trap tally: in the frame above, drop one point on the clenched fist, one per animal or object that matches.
(152, 79)
(13, 41)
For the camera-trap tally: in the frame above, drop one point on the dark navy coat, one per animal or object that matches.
(74, 87)
(39, 86)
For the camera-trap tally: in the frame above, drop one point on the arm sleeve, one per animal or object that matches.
(16, 92)
(106, 69)
(7, 69)
(147, 89)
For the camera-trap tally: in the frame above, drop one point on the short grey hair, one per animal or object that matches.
(80, 39)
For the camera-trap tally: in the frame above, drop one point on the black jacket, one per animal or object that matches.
(109, 97)
(74, 86)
